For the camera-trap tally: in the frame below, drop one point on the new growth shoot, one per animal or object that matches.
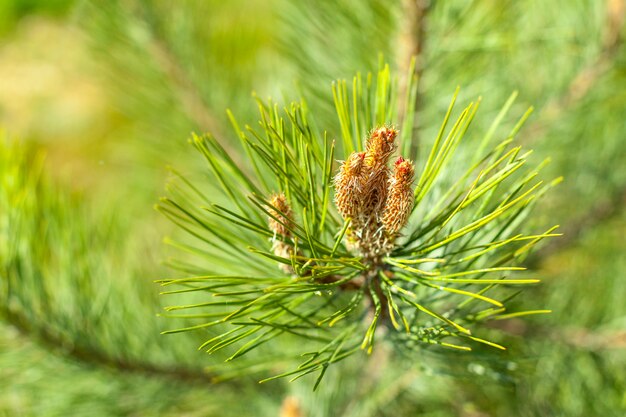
(418, 259)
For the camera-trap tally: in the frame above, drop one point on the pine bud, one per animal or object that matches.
(280, 209)
(379, 147)
(349, 186)
(378, 205)
(399, 199)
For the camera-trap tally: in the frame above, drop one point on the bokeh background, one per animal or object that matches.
(109, 91)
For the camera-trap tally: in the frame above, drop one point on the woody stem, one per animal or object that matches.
(372, 280)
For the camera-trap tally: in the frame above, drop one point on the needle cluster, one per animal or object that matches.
(427, 255)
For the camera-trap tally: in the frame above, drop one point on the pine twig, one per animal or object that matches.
(592, 340)
(599, 213)
(53, 342)
(186, 92)
(412, 44)
(588, 76)
(192, 103)
(580, 86)
(578, 337)
(375, 201)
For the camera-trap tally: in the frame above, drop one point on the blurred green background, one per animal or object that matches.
(110, 91)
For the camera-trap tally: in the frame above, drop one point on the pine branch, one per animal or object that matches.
(411, 60)
(582, 84)
(595, 341)
(462, 236)
(187, 93)
(55, 283)
(54, 342)
(588, 77)
(598, 214)
(589, 339)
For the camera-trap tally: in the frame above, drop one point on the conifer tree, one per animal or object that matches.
(363, 230)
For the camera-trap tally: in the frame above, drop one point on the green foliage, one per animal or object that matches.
(12, 11)
(68, 272)
(38, 381)
(459, 257)
(312, 57)
(78, 308)
(566, 57)
(186, 60)
(573, 353)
